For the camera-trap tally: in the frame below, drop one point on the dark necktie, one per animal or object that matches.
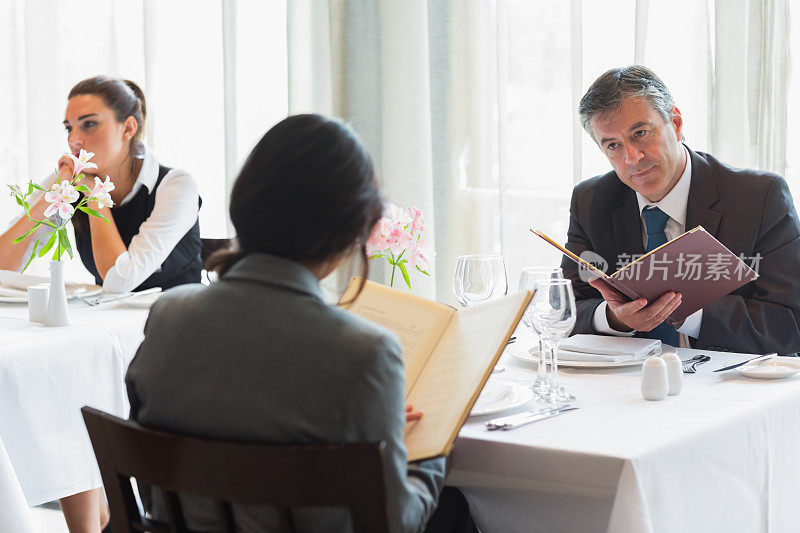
(656, 220)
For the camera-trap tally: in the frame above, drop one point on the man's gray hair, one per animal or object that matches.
(609, 91)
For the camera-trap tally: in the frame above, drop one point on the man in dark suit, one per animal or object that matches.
(660, 188)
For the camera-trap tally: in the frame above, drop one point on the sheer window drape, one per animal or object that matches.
(468, 107)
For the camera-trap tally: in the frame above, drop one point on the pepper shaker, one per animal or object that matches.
(655, 383)
(674, 372)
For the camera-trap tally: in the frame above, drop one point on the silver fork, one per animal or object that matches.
(690, 365)
(97, 300)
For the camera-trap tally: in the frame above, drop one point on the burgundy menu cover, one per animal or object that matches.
(694, 264)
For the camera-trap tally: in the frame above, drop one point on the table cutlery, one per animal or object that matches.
(737, 365)
(690, 365)
(97, 300)
(520, 419)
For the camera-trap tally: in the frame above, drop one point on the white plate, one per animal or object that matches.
(14, 287)
(497, 397)
(771, 369)
(530, 358)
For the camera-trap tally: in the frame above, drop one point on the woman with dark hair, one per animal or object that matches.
(153, 238)
(259, 356)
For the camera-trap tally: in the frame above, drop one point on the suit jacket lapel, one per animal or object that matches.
(626, 223)
(703, 195)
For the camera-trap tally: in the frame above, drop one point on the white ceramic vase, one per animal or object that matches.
(57, 313)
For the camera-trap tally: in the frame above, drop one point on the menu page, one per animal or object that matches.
(456, 372)
(418, 323)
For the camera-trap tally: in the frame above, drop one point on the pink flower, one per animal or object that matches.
(378, 237)
(421, 257)
(61, 197)
(82, 161)
(416, 224)
(399, 239)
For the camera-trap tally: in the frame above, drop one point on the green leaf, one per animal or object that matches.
(64, 241)
(19, 201)
(30, 188)
(36, 186)
(376, 256)
(405, 274)
(418, 268)
(50, 242)
(21, 237)
(90, 211)
(83, 188)
(33, 254)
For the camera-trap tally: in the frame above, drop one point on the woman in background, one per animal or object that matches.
(153, 239)
(260, 356)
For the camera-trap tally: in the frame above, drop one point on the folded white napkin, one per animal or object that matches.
(606, 348)
(567, 355)
(17, 280)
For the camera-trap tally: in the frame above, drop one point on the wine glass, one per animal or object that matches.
(480, 278)
(552, 313)
(527, 282)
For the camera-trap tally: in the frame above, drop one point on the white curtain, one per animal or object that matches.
(471, 106)
(468, 106)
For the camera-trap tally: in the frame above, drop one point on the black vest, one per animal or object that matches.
(181, 266)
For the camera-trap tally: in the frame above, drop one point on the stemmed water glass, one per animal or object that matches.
(480, 278)
(552, 313)
(527, 282)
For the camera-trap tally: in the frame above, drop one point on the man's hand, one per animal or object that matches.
(624, 315)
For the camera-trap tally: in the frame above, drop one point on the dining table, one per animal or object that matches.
(721, 456)
(46, 375)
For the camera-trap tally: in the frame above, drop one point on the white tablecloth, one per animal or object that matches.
(46, 376)
(723, 456)
(15, 517)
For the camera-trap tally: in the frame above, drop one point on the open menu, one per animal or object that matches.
(448, 354)
(694, 264)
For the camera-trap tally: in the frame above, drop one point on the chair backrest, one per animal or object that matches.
(284, 476)
(209, 246)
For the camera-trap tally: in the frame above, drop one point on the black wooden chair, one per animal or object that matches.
(284, 476)
(209, 246)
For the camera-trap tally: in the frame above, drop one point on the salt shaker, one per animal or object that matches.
(655, 383)
(674, 372)
(37, 302)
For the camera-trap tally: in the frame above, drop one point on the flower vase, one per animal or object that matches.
(57, 314)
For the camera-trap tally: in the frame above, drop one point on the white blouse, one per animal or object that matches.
(174, 213)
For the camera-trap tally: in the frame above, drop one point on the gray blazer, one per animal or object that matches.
(750, 212)
(259, 356)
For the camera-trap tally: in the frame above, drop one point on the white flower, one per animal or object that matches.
(100, 192)
(82, 161)
(61, 197)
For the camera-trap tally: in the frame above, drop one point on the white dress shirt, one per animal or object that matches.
(673, 204)
(174, 213)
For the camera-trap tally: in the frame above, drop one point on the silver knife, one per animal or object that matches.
(737, 365)
(520, 419)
